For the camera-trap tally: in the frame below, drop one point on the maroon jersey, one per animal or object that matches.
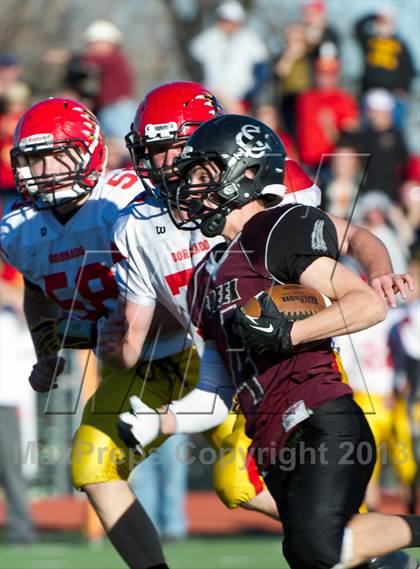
(276, 391)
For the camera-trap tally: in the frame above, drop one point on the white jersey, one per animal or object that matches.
(366, 358)
(159, 259)
(72, 263)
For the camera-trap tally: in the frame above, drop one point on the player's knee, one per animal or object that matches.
(96, 458)
(303, 553)
(313, 545)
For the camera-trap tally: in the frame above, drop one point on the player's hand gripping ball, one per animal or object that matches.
(266, 321)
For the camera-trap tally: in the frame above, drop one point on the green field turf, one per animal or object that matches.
(194, 553)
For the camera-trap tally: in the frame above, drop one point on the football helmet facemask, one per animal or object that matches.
(227, 163)
(62, 135)
(167, 115)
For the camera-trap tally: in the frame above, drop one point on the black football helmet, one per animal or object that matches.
(240, 159)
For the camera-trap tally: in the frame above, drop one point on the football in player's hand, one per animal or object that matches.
(295, 302)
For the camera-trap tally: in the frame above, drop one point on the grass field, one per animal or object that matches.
(194, 553)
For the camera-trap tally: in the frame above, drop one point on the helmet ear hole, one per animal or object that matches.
(251, 172)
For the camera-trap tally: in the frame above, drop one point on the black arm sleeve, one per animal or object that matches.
(299, 238)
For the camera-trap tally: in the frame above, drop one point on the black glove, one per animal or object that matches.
(271, 331)
(77, 334)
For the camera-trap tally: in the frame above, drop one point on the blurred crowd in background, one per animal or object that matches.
(352, 139)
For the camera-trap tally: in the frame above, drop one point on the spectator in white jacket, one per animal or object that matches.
(233, 58)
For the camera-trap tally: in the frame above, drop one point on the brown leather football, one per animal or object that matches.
(294, 300)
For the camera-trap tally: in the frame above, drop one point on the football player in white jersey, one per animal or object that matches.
(58, 160)
(58, 235)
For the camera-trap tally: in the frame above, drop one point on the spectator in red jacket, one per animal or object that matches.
(324, 113)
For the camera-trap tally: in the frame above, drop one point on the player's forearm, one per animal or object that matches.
(203, 408)
(121, 336)
(129, 356)
(374, 260)
(123, 357)
(196, 412)
(36, 308)
(354, 311)
(369, 252)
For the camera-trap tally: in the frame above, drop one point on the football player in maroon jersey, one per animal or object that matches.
(296, 405)
(165, 118)
(154, 142)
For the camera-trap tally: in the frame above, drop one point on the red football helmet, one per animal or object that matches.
(68, 131)
(168, 114)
